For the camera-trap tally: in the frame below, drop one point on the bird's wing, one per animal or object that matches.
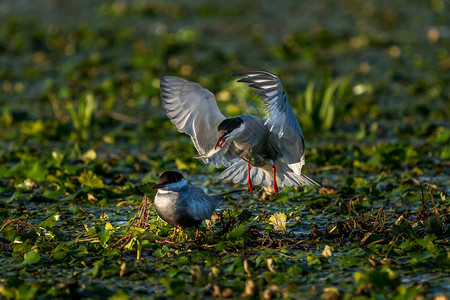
(280, 119)
(193, 109)
(200, 205)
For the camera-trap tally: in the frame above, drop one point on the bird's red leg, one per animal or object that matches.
(174, 232)
(249, 180)
(275, 186)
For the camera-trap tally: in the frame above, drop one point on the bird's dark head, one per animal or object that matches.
(227, 129)
(168, 178)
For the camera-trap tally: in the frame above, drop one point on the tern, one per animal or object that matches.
(182, 204)
(254, 150)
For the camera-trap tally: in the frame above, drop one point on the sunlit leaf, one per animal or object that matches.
(90, 179)
(109, 227)
(31, 257)
(50, 221)
(327, 251)
(278, 221)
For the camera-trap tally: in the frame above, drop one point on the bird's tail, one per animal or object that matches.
(307, 180)
(285, 176)
(283, 170)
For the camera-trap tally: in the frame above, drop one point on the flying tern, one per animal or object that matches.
(254, 150)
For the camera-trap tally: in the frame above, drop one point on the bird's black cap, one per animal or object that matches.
(228, 125)
(170, 177)
(167, 178)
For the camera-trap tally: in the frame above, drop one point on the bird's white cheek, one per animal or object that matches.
(175, 186)
(237, 132)
(163, 192)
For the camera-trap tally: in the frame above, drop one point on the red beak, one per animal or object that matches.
(220, 141)
(158, 186)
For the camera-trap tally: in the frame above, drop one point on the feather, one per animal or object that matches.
(279, 116)
(194, 111)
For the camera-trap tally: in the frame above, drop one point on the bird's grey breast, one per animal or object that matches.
(166, 203)
(256, 144)
(173, 207)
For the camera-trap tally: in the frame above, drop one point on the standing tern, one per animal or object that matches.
(254, 150)
(182, 204)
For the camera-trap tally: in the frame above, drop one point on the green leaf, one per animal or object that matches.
(146, 188)
(31, 257)
(221, 246)
(50, 221)
(349, 261)
(96, 270)
(162, 251)
(295, 270)
(312, 259)
(10, 233)
(174, 286)
(238, 234)
(55, 194)
(104, 236)
(36, 171)
(21, 247)
(381, 280)
(60, 252)
(26, 291)
(89, 179)
(119, 295)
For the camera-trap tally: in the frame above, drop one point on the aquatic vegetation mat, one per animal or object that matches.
(83, 137)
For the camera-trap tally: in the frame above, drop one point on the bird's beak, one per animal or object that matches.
(221, 140)
(158, 186)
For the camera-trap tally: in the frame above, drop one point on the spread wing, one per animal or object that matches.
(193, 109)
(201, 206)
(280, 119)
